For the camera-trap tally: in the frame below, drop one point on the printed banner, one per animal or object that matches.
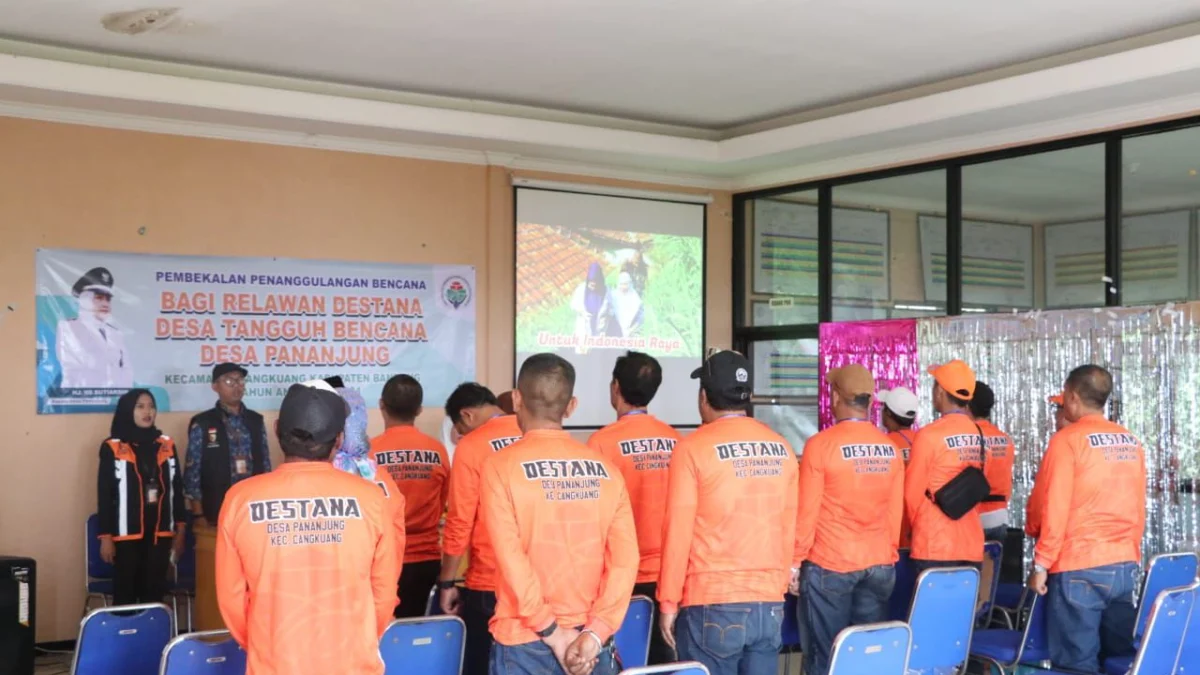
(107, 322)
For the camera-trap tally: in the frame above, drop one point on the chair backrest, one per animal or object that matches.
(789, 630)
(1166, 570)
(942, 618)
(878, 649)
(681, 668)
(208, 653)
(989, 580)
(432, 606)
(96, 568)
(633, 638)
(1189, 653)
(1035, 636)
(427, 645)
(902, 591)
(128, 640)
(1163, 639)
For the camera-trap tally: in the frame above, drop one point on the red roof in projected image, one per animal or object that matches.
(552, 260)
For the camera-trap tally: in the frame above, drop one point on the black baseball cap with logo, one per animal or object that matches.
(314, 409)
(222, 369)
(726, 373)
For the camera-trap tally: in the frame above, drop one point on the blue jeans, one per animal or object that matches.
(535, 658)
(1092, 616)
(832, 601)
(738, 638)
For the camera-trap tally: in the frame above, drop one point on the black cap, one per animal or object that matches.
(336, 382)
(726, 373)
(226, 368)
(983, 401)
(96, 279)
(313, 408)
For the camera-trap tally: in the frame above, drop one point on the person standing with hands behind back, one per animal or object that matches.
(560, 522)
(140, 501)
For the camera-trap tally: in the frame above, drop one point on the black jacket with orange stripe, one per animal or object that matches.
(122, 492)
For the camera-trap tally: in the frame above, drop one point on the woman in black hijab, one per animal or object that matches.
(140, 499)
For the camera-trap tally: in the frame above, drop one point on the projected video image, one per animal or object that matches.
(587, 290)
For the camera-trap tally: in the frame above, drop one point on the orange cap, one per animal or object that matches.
(1056, 399)
(956, 377)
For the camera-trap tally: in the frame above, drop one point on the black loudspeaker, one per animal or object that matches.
(18, 607)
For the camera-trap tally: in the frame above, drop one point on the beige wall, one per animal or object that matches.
(80, 187)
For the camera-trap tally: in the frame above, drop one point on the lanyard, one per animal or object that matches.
(731, 415)
(853, 419)
(631, 413)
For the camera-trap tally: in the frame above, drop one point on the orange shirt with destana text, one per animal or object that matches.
(640, 446)
(731, 516)
(559, 518)
(851, 498)
(940, 452)
(420, 467)
(999, 465)
(1094, 501)
(464, 518)
(306, 570)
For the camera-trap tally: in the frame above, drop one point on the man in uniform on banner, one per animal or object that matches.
(941, 451)
(1094, 515)
(306, 556)
(993, 512)
(485, 430)
(640, 445)
(562, 528)
(226, 445)
(730, 531)
(91, 350)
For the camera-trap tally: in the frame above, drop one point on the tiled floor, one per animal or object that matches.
(52, 664)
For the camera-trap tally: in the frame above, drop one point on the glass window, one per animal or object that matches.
(1160, 194)
(783, 260)
(1033, 231)
(784, 367)
(886, 262)
(796, 423)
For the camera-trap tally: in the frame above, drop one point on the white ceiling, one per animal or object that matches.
(702, 63)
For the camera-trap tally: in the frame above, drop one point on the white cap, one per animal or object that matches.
(902, 402)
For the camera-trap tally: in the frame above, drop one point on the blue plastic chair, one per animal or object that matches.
(789, 630)
(901, 601)
(681, 668)
(633, 638)
(1161, 648)
(183, 584)
(1006, 649)
(426, 645)
(128, 640)
(98, 575)
(876, 648)
(993, 556)
(1008, 603)
(207, 653)
(942, 619)
(1189, 653)
(1166, 570)
(433, 606)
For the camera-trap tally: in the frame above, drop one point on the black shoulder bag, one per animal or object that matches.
(966, 490)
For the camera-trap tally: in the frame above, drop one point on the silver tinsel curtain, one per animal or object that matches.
(1154, 356)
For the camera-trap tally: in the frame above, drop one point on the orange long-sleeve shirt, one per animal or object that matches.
(903, 440)
(420, 467)
(999, 465)
(1094, 511)
(306, 570)
(1037, 499)
(851, 498)
(395, 511)
(730, 531)
(640, 446)
(464, 522)
(559, 517)
(940, 451)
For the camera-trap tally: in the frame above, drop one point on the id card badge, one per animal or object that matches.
(240, 467)
(152, 495)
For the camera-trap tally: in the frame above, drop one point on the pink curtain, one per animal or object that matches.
(887, 348)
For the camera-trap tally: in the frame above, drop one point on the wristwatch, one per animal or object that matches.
(1038, 569)
(447, 584)
(548, 630)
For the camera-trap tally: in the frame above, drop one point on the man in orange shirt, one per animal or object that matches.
(420, 467)
(485, 430)
(899, 414)
(1094, 516)
(566, 547)
(848, 523)
(306, 555)
(993, 512)
(640, 446)
(940, 452)
(730, 531)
